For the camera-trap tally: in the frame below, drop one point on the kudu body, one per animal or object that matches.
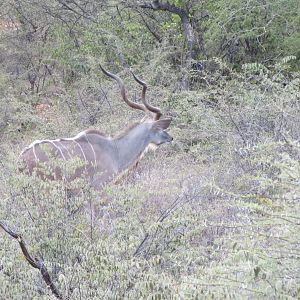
(102, 158)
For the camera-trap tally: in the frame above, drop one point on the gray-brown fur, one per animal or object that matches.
(101, 158)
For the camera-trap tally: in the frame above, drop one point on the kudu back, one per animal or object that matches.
(101, 158)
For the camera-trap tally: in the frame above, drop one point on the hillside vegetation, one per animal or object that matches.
(213, 215)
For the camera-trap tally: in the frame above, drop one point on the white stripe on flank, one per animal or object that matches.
(80, 149)
(52, 142)
(36, 142)
(30, 146)
(92, 150)
(61, 144)
(35, 157)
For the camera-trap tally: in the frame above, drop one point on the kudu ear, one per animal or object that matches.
(162, 124)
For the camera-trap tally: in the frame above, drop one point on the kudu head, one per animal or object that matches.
(152, 124)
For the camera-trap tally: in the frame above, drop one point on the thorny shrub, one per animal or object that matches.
(214, 215)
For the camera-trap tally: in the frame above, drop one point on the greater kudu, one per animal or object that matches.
(103, 158)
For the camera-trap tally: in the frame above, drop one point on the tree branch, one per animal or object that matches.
(34, 262)
(155, 34)
(188, 29)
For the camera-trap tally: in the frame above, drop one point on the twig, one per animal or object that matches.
(166, 213)
(241, 134)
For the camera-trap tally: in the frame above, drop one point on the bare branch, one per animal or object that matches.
(188, 29)
(155, 34)
(34, 262)
(149, 238)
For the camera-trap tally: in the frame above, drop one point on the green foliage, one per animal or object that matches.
(253, 30)
(214, 215)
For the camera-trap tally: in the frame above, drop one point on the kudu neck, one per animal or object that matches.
(132, 145)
